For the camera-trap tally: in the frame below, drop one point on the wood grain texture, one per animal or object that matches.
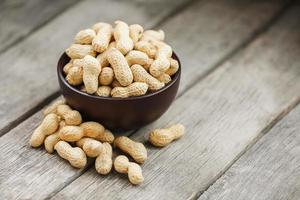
(223, 115)
(213, 31)
(27, 173)
(206, 32)
(18, 18)
(32, 173)
(269, 170)
(15, 186)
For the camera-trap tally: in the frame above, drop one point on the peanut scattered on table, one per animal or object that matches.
(134, 171)
(103, 163)
(71, 117)
(97, 131)
(74, 155)
(106, 136)
(163, 137)
(53, 107)
(91, 147)
(116, 48)
(70, 133)
(54, 138)
(135, 149)
(48, 126)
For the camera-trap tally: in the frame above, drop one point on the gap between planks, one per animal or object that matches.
(244, 44)
(29, 113)
(265, 131)
(269, 170)
(36, 28)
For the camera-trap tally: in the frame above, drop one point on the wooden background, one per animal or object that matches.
(238, 99)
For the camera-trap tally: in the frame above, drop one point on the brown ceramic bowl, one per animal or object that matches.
(119, 113)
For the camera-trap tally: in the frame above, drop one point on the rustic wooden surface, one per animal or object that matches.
(269, 170)
(40, 51)
(241, 75)
(19, 18)
(234, 106)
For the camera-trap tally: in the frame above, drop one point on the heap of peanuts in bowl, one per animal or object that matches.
(120, 61)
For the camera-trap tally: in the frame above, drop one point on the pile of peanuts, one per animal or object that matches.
(120, 61)
(62, 130)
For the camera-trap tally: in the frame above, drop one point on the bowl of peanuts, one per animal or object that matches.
(121, 76)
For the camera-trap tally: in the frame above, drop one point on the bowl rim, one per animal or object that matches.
(175, 77)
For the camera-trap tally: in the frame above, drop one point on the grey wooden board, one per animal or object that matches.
(18, 18)
(214, 30)
(37, 56)
(34, 187)
(269, 170)
(26, 169)
(223, 114)
(29, 68)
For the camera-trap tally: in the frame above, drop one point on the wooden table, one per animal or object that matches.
(238, 99)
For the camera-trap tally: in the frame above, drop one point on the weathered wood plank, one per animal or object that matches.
(22, 166)
(269, 170)
(19, 18)
(221, 27)
(223, 115)
(214, 32)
